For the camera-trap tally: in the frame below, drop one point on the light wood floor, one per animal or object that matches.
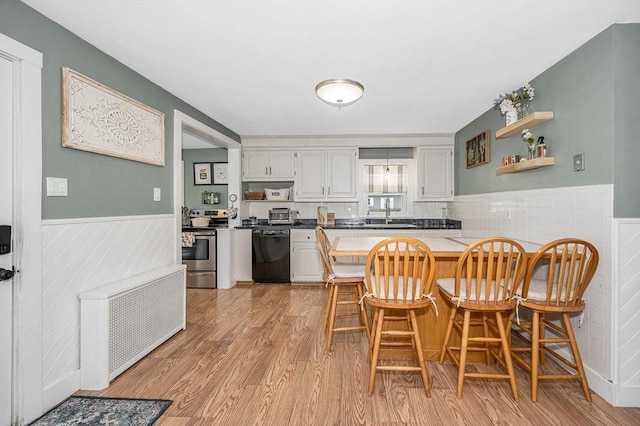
(255, 355)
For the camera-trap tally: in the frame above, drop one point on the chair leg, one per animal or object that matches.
(364, 318)
(374, 324)
(507, 355)
(376, 349)
(485, 330)
(327, 311)
(332, 315)
(464, 344)
(420, 360)
(535, 354)
(577, 359)
(543, 329)
(447, 335)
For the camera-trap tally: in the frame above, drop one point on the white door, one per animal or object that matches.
(6, 218)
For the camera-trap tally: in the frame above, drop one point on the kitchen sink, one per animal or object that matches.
(390, 225)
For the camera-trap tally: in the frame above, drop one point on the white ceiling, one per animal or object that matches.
(427, 66)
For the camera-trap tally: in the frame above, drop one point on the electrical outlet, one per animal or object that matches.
(156, 194)
(578, 162)
(509, 213)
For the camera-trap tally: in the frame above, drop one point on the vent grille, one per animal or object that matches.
(141, 319)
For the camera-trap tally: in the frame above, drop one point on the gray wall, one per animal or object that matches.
(99, 185)
(589, 93)
(193, 193)
(626, 121)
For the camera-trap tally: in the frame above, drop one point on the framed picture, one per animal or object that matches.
(202, 173)
(98, 119)
(220, 173)
(477, 150)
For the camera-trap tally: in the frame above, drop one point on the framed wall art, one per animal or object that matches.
(98, 119)
(202, 173)
(477, 149)
(220, 173)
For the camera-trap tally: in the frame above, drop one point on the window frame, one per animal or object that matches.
(407, 210)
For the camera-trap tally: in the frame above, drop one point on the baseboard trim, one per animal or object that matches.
(618, 396)
(60, 390)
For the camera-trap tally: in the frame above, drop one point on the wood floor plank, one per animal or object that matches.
(256, 355)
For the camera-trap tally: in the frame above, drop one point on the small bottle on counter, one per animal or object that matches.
(368, 219)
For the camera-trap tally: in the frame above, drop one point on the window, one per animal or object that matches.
(381, 182)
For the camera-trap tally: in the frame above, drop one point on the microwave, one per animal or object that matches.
(282, 216)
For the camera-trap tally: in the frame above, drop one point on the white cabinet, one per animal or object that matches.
(306, 263)
(267, 165)
(326, 174)
(435, 173)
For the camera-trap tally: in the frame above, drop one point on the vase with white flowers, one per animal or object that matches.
(509, 105)
(528, 92)
(527, 136)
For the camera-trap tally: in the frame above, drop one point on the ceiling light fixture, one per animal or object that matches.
(339, 92)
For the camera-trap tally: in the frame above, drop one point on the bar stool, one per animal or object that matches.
(346, 288)
(568, 265)
(487, 274)
(400, 277)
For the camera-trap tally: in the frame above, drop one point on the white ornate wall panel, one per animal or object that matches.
(83, 254)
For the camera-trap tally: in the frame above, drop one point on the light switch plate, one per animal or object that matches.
(56, 187)
(156, 194)
(578, 162)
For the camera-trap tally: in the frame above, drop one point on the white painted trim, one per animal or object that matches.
(618, 396)
(182, 121)
(76, 220)
(27, 390)
(59, 391)
(369, 141)
(20, 52)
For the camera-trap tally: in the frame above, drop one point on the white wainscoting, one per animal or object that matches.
(627, 305)
(80, 255)
(609, 337)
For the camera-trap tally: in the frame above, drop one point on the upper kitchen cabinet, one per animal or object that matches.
(435, 174)
(326, 174)
(267, 165)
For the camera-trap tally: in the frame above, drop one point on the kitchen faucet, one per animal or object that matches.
(387, 211)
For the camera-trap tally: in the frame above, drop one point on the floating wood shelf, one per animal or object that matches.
(526, 165)
(532, 120)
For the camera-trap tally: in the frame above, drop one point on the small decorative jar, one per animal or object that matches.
(511, 116)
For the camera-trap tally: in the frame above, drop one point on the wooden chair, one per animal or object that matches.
(567, 266)
(487, 275)
(346, 281)
(400, 277)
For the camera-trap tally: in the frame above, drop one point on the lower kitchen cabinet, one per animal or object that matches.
(306, 263)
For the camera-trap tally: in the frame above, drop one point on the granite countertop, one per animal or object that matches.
(403, 223)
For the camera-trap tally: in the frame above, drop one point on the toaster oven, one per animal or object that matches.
(282, 216)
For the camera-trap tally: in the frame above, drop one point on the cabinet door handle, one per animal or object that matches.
(323, 190)
(423, 190)
(270, 170)
(266, 170)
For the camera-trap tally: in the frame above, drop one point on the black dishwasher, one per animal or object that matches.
(270, 259)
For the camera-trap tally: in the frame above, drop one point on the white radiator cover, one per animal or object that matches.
(122, 322)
